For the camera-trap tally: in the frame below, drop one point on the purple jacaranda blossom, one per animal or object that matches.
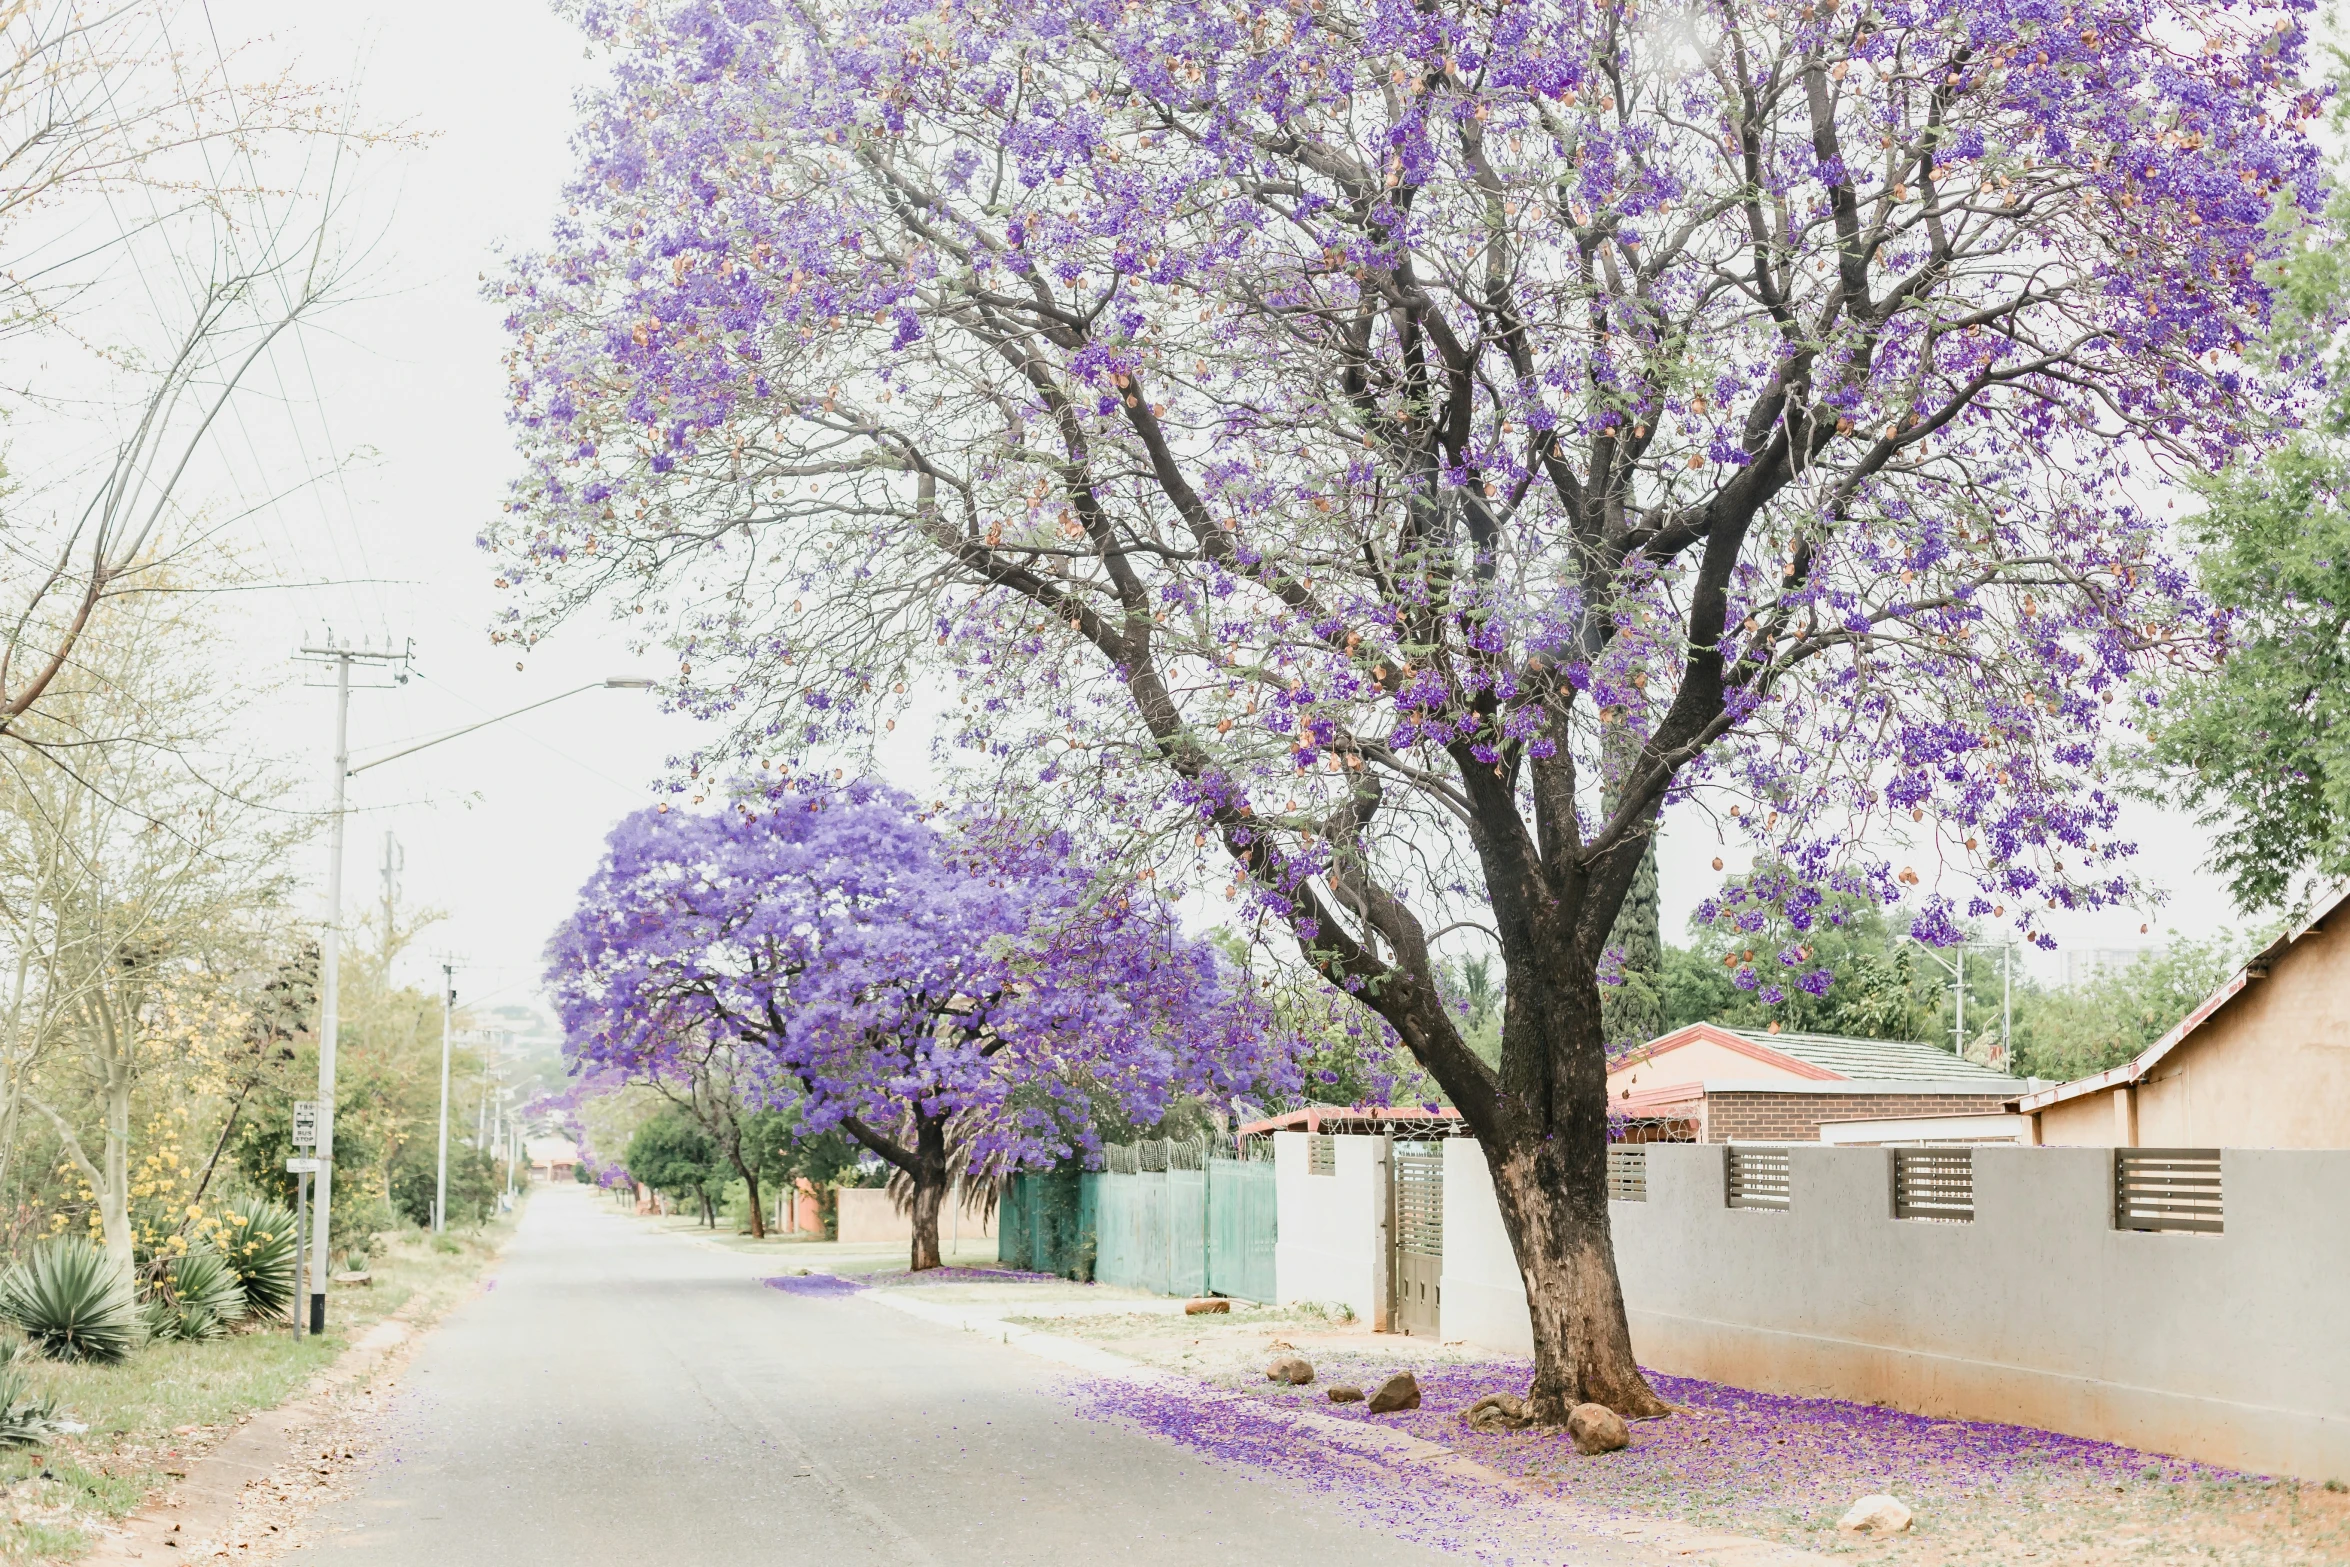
(964, 996)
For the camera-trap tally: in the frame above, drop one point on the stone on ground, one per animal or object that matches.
(1342, 1394)
(1401, 1391)
(1879, 1514)
(1499, 1412)
(1597, 1429)
(1206, 1308)
(1293, 1369)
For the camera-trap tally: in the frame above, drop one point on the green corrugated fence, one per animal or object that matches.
(1046, 1224)
(1208, 1230)
(1243, 1219)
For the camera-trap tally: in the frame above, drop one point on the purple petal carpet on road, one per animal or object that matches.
(1764, 1461)
(1441, 1511)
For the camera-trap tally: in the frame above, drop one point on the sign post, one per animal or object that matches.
(301, 1170)
(301, 1167)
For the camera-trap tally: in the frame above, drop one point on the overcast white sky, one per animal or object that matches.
(499, 829)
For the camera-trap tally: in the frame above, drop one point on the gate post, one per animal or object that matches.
(1382, 1235)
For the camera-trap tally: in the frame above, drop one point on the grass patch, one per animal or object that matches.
(156, 1413)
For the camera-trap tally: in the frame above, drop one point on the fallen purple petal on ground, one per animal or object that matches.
(1443, 1511)
(813, 1284)
(1731, 1453)
(900, 1279)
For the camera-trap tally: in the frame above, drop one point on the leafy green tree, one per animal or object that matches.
(2072, 1032)
(2259, 747)
(1880, 987)
(473, 1183)
(672, 1154)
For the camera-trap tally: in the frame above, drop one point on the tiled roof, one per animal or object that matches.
(1907, 1060)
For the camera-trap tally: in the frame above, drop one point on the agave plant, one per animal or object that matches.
(257, 1241)
(201, 1295)
(28, 1416)
(71, 1301)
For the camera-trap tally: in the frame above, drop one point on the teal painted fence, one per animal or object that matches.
(1208, 1231)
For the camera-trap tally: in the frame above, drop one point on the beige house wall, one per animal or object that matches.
(868, 1214)
(2269, 1069)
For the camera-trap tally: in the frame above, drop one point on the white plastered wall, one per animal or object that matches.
(1328, 1247)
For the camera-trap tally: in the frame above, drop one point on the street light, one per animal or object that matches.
(330, 976)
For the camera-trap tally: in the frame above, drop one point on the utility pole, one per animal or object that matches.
(342, 656)
(1957, 972)
(1958, 1030)
(330, 954)
(2007, 1006)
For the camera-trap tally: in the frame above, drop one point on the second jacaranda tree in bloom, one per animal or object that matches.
(956, 993)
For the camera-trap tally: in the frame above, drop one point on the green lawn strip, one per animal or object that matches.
(154, 1414)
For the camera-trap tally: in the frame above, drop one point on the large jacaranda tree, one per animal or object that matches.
(1416, 441)
(959, 995)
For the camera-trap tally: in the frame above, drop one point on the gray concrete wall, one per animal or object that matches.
(2232, 1348)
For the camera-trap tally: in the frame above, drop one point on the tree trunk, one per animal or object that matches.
(114, 1200)
(734, 1156)
(758, 1216)
(709, 1215)
(930, 1180)
(1548, 1155)
(1558, 1227)
(928, 1199)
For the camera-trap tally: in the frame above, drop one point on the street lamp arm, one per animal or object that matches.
(616, 683)
(1948, 967)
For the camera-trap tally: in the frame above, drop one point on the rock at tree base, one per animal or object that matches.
(1499, 1412)
(1401, 1391)
(1597, 1429)
(1342, 1394)
(1292, 1369)
(1879, 1514)
(1207, 1308)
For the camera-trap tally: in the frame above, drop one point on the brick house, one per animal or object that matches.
(1710, 1084)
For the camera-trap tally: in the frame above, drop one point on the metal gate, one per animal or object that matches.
(1418, 1273)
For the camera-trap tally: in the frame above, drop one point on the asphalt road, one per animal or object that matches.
(624, 1396)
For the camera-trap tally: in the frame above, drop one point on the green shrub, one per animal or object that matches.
(257, 1241)
(200, 1297)
(71, 1302)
